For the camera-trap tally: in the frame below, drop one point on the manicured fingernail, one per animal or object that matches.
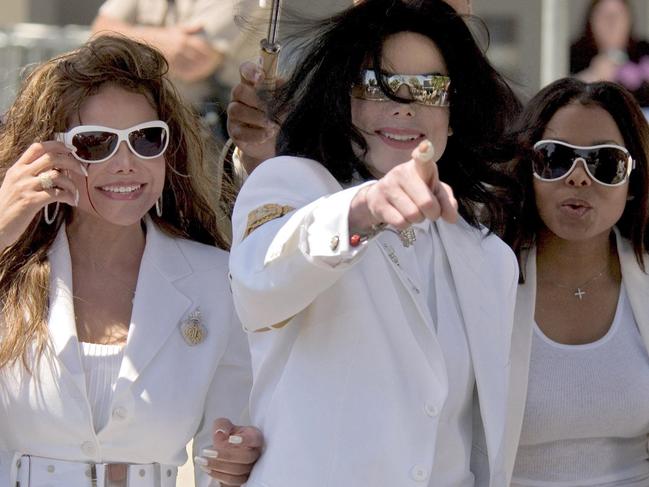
(208, 453)
(221, 431)
(205, 469)
(76, 197)
(235, 439)
(200, 461)
(84, 170)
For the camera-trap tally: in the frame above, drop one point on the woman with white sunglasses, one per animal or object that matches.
(118, 339)
(579, 384)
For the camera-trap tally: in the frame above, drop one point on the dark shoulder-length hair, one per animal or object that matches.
(315, 108)
(621, 105)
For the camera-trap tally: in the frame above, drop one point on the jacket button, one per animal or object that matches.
(119, 413)
(88, 448)
(419, 473)
(430, 409)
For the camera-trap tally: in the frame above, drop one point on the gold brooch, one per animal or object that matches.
(192, 328)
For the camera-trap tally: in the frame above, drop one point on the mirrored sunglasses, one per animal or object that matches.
(425, 89)
(608, 164)
(94, 144)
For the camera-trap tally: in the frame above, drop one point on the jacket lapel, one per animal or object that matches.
(158, 307)
(61, 320)
(520, 353)
(404, 263)
(476, 302)
(636, 283)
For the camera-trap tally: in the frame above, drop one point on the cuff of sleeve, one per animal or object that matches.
(327, 236)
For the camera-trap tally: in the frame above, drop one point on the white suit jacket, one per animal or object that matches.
(636, 283)
(349, 379)
(167, 391)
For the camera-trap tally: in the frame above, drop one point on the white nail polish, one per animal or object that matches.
(200, 461)
(76, 197)
(205, 469)
(209, 453)
(221, 431)
(235, 439)
(83, 168)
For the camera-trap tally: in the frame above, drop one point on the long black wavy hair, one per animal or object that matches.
(315, 108)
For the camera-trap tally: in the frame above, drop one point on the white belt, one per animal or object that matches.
(48, 472)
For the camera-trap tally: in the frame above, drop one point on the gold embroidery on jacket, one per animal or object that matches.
(264, 214)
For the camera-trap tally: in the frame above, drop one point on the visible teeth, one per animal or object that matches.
(400, 137)
(121, 189)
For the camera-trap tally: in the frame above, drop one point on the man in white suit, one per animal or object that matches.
(380, 355)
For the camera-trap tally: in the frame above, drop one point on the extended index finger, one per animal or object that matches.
(423, 156)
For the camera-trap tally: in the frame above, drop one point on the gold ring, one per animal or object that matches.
(46, 180)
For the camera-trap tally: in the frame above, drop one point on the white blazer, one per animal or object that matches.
(636, 283)
(167, 391)
(349, 378)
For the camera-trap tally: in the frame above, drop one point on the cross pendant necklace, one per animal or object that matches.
(579, 290)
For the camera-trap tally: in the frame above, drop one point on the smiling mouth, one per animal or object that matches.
(400, 137)
(121, 189)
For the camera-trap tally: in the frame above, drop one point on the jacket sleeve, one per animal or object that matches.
(291, 240)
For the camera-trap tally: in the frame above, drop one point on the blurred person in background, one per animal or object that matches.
(199, 39)
(608, 51)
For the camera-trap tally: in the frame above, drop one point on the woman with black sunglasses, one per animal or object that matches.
(580, 369)
(118, 339)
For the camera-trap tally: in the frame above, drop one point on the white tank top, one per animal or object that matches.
(587, 412)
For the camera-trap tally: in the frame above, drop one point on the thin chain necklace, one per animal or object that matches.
(579, 291)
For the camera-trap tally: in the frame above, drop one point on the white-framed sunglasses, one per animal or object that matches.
(607, 164)
(94, 144)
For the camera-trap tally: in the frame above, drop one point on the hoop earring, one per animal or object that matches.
(46, 213)
(158, 206)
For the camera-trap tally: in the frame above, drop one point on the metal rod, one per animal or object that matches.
(273, 24)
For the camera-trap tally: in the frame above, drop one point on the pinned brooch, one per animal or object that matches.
(192, 328)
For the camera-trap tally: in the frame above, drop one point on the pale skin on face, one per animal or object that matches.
(408, 189)
(106, 236)
(572, 248)
(403, 53)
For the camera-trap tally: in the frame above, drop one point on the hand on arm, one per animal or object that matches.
(234, 451)
(24, 190)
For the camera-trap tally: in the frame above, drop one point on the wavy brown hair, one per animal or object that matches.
(195, 195)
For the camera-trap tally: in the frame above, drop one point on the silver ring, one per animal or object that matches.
(46, 180)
